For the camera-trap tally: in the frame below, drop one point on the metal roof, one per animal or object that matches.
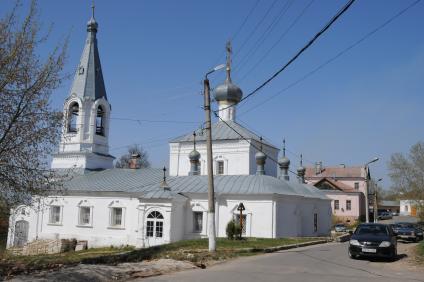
(235, 185)
(114, 180)
(222, 131)
(88, 79)
(147, 182)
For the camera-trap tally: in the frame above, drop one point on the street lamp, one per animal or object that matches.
(367, 206)
(208, 125)
(375, 206)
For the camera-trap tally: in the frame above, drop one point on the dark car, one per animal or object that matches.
(373, 240)
(408, 231)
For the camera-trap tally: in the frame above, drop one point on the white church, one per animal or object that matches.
(143, 207)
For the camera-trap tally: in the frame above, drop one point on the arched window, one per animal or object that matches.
(99, 121)
(154, 226)
(73, 117)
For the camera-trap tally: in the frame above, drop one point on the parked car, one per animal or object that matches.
(395, 213)
(408, 231)
(340, 227)
(385, 215)
(373, 240)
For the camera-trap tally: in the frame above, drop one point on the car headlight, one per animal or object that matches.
(354, 242)
(385, 244)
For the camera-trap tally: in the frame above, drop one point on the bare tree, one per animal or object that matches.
(407, 174)
(124, 160)
(29, 127)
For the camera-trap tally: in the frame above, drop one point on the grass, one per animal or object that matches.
(195, 251)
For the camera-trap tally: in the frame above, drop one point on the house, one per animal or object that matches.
(346, 187)
(410, 207)
(145, 206)
(391, 206)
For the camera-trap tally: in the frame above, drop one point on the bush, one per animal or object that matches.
(233, 230)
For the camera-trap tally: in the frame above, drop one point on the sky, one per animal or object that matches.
(366, 103)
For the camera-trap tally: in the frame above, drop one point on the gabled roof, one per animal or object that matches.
(222, 131)
(337, 185)
(336, 172)
(88, 80)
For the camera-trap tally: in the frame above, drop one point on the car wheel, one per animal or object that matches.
(351, 256)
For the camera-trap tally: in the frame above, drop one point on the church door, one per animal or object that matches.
(154, 228)
(21, 233)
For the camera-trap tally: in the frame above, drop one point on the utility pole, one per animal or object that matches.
(367, 204)
(211, 196)
(376, 200)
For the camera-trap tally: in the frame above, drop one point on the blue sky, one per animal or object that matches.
(369, 102)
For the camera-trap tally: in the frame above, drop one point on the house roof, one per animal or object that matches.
(389, 203)
(147, 182)
(336, 184)
(222, 131)
(336, 172)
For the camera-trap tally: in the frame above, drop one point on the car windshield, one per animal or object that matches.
(372, 230)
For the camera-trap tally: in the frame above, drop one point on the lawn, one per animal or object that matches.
(420, 251)
(195, 251)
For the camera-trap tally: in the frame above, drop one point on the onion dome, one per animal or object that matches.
(284, 161)
(301, 169)
(194, 155)
(228, 91)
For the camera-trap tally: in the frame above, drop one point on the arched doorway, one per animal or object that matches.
(21, 233)
(154, 228)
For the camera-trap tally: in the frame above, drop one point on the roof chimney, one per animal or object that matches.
(134, 162)
(318, 167)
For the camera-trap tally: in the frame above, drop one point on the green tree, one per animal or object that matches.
(29, 126)
(407, 174)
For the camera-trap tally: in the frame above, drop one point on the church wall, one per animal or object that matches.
(234, 153)
(99, 233)
(288, 217)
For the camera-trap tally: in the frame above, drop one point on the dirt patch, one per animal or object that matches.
(119, 272)
(407, 258)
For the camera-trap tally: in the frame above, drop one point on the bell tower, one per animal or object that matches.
(86, 114)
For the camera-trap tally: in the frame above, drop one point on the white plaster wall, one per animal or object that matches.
(288, 217)
(234, 153)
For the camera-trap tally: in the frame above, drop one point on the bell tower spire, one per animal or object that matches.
(84, 143)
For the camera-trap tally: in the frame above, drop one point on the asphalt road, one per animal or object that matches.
(328, 262)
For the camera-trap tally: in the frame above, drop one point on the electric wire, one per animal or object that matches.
(338, 55)
(269, 29)
(296, 56)
(282, 36)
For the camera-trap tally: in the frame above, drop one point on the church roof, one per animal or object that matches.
(236, 185)
(147, 182)
(88, 80)
(114, 180)
(222, 131)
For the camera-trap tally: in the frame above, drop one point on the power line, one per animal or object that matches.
(239, 29)
(278, 41)
(267, 31)
(341, 53)
(303, 49)
(256, 27)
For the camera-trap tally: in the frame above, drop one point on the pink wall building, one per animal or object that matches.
(346, 187)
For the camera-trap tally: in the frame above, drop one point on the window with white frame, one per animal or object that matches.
(336, 204)
(356, 185)
(55, 215)
(154, 225)
(84, 216)
(348, 205)
(220, 167)
(197, 221)
(117, 217)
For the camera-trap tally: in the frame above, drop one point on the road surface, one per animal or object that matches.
(328, 262)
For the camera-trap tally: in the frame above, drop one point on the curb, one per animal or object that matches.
(284, 247)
